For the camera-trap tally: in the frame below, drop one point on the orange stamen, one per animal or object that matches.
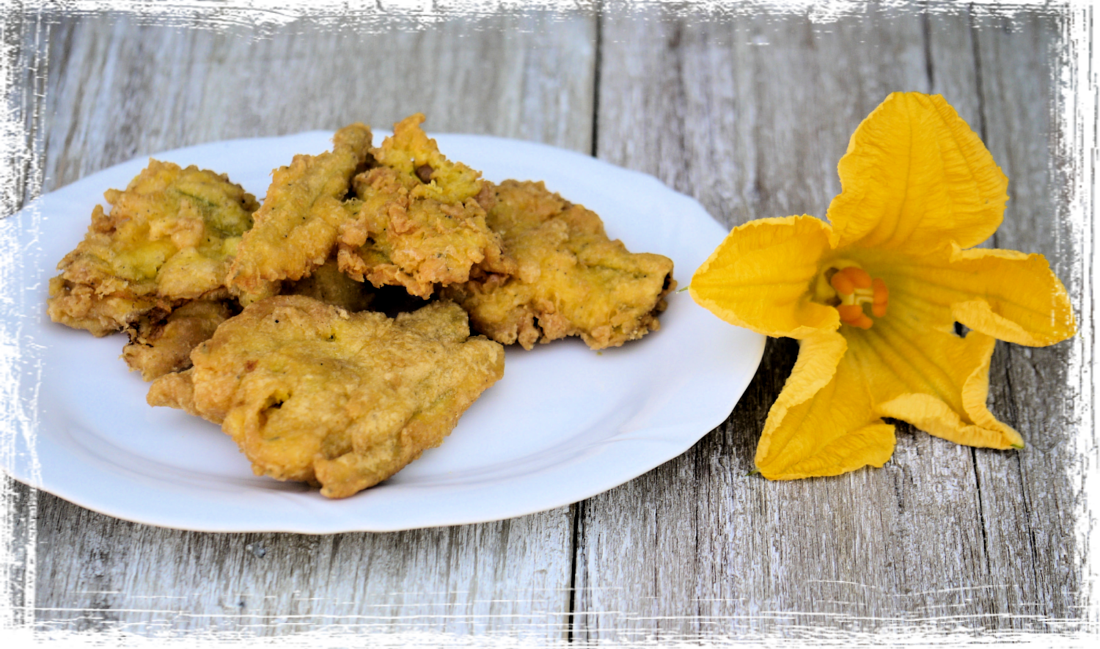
(881, 298)
(849, 312)
(854, 288)
(842, 284)
(858, 276)
(881, 293)
(853, 314)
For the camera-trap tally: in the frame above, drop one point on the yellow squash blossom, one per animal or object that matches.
(873, 296)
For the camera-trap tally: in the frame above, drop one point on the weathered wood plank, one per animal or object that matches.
(1027, 497)
(750, 115)
(144, 88)
(22, 83)
(101, 573)
(119, 89)
(1040, 569)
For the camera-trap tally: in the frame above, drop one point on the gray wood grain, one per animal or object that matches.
(119, 89)
(1040, 569)
(754, 114)
(101, 573)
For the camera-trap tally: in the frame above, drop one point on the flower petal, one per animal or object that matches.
(932, 379)
(915, 177)
(1003, 293)
(760, 277)
(1015, 297)
(823, 422)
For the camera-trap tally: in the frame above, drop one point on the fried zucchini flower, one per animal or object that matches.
(873, 296)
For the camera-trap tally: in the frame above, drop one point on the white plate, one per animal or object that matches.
(565, 423)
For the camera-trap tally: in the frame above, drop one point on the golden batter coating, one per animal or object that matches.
(571, 279)
(159, 346)
(422, 218)
(312, 393)
(168, 238)
(297, 226)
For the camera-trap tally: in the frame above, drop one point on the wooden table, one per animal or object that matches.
(748, 112)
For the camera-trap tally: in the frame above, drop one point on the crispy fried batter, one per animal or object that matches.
(422, 218)
(161, 345)
(168, 239)
(312, 393)
(571, 279)
(297, 225)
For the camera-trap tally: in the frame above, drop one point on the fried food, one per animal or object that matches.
(161, 345)
(331, 286)
(168, 239)
(297, 226)
(421, 222)
(312, 393)
(571, 279)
